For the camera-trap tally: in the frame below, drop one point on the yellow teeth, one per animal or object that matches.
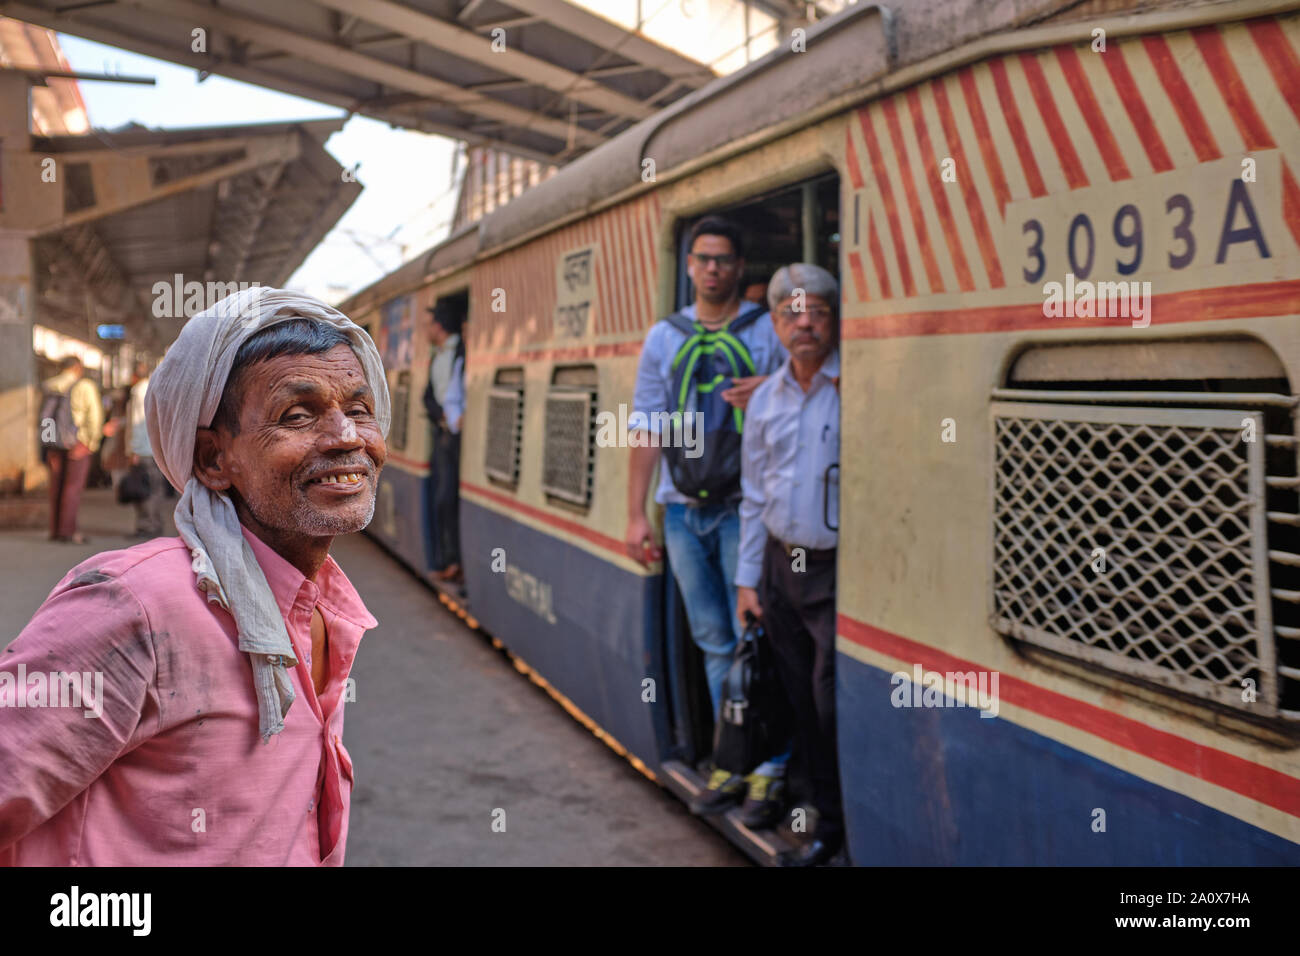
(349, 479)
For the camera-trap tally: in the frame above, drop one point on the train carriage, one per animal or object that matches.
(1069, 567)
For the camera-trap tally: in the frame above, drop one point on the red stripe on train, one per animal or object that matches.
(851, 160)
(1291, 202)
(919, 228)
(878, 256)
(1196, 305)
(563, 524)
(1075, 177)
(939, 192)
(1240, 105)
(984, 137)
(1250, 779)
(1016, 126)
(965, 175)
(887, 194)
(1281, 59)
(1093, 116)
(859, 276)
(1182, 98)
(1143, 124)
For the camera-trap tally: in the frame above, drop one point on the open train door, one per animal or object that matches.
(798, 222)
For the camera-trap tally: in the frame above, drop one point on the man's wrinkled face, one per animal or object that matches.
(808, 330)
(307, 457)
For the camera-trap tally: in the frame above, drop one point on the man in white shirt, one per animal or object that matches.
(788, 521)
(444, 401)
(149, 512)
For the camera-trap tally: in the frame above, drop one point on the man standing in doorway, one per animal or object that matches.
(788, 519)
(444, 401)
(702, 534)
(69, 467)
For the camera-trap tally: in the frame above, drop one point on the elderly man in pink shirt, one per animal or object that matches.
(178, 742)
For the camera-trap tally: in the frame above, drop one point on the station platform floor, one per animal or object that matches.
(443, 730)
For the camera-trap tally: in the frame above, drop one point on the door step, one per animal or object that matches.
(761, 846)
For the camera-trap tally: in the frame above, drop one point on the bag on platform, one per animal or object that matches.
(134, 486)
(754, 721)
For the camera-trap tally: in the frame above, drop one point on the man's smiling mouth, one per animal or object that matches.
(350, 478)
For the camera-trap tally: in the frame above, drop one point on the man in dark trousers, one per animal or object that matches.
(70, 466)
(788, 517)
(444, 400)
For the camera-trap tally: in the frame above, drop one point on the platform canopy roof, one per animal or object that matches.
(217, 204)
(542, 79)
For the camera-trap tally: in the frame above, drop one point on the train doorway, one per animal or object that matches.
(443, 399)
(795, 223)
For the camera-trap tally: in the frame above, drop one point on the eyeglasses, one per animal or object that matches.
(724, 261)
(818, 312)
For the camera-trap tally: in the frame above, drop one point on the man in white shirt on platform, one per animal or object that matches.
(444, 401)
(788, 516)
(149, 512)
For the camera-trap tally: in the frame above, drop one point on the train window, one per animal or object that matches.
(568, 462)
(1146, 517)
(401, 403)
(505, 427)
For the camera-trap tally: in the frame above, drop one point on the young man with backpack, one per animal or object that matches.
(70, 427)
(705, 360)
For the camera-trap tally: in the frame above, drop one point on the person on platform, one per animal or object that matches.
(702, 534)
(786, 571)
(444, 401)
(69, 468)
(149, 511)
(207, 726)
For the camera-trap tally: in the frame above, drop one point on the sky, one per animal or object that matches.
(409, 196)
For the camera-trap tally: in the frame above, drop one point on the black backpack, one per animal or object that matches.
(755, 720)
(54, 425)
(703, 368)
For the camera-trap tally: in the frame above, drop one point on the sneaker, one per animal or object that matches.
(765, 805)
(725, 790)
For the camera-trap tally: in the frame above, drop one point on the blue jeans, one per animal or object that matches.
(703, 545)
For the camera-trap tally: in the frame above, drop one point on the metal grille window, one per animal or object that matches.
(505, 430)
(569, 460)
(1138, 538)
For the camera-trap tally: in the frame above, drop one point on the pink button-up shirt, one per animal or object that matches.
(172, 770)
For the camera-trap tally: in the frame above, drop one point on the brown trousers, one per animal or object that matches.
(67, 479)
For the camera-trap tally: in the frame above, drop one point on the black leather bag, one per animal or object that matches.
(134, 486)
(754, 723)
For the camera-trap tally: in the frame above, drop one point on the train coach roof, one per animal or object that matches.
(844, 54)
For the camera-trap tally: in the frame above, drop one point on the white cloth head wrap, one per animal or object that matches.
(183, 395)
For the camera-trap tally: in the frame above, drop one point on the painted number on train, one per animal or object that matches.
(575, 292)
(1205, 218)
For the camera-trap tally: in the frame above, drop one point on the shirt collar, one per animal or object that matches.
(331, 586)
(830, 368)
(450, 344)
